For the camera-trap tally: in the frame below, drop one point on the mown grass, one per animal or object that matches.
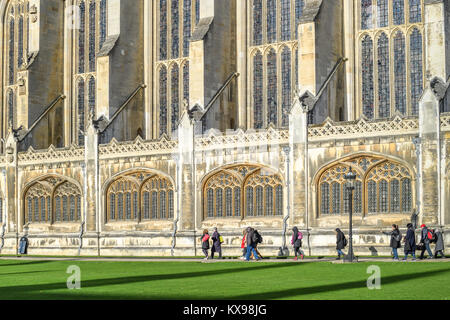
(233, 280)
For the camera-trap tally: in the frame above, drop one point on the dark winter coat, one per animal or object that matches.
(250, 241)
(439, 241)
(205, 244)
(424, 236)
(396, 238)
(295, 241)
(410, 241)
(216, 241)
(340, 240)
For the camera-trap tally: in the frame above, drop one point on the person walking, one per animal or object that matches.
(205, 243)
(410, 242)
(251, 245)
(296, 242)
(217, 244)
(396, 238)
(426, 242)
(340, 243)
(439, 249)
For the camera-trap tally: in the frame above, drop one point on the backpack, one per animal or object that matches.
(431, 235)
(398, 237)
(257, 237)
(345, 241)
(220, 239)
(300, 236)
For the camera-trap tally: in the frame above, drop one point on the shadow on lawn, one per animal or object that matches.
(281, 294)
(24, 263)
(29, 289)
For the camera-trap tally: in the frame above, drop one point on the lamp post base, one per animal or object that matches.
(348, 258)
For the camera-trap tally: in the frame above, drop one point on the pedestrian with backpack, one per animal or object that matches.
(425, 238)
(396, 238)
(439, 249)
(258, 238)
(296, 242)
(217, 244)
(410, 242)
(205, 243)
(244, 244)
(341, 243)
(251, 244)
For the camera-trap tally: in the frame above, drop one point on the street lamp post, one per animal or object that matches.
(351, 180)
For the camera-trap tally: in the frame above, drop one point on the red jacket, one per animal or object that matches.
(244, 242)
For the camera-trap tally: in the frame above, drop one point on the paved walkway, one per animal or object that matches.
(271, 260)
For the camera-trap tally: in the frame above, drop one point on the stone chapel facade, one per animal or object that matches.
(128, 127)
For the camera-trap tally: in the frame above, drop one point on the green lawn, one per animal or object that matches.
(232, 280)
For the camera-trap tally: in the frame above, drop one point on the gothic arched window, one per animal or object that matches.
(11, 50)
(103, 22)
(398, 7)
(91, 96)
(222, 193)
(381, 187)
(299, 6)
(81, 37)
(400, 72)
(383, 13)
(186, 81)
(42, 193)
(416, 69)
(286, 85)
(272, 95)
(163, 100)
(257, 90)
(367, 77)
(92, 36)
(383, 77)
(11, 108)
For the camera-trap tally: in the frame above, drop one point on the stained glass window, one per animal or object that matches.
(325, 198)
(11, 51)
(146, 205)
(285, 20)
(228, 202)
(406, 195)
(92, 95)
(257, 91)
(383, 13)
(336, 198)
(186, 26)
(171, 202)
(366, 14)
(186, 81)
(383, 77)
(286, 85)
(271, 21)
(112, 206)
(20, 43)
(197, 11)
(163, 101)
(250, 209)
(399, 12)
(128, 206)
(367, 77)
(219, 202)
(162, 204)
(72, 208)
(135, 205)
(372, 196)
(415, 11)
(30, 209)
(395, 195)
(299, 6)
(154, 205)
(175, 29)
(58, 209)
(400, 72)
(92, 36)
(210, 203)
(259, 197)
(163, 29)
(383, 194)
(103, 23)
(272, 108)
(237, 202)
(11, 108)
(64, 208)
(36, 209)
(279, 200)
(81, 38)
(81, 112)
(175, 105)
(357, 198)
(257, 23)
(269, 201)
(416, 70)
